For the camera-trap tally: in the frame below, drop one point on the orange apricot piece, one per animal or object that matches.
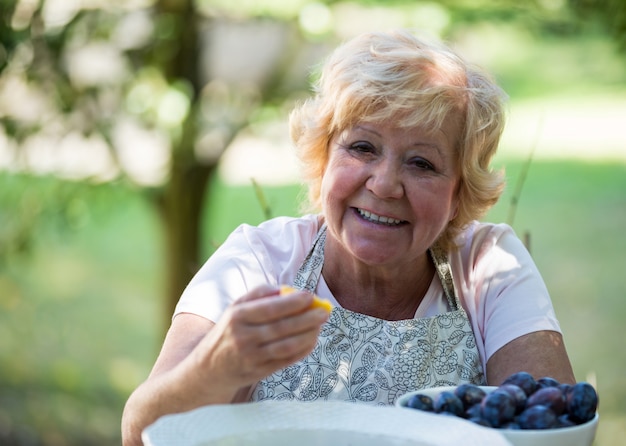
(318, 302)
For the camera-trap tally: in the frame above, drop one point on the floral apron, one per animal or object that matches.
(361, 358)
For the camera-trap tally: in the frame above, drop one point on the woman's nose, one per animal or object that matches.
(385, 180)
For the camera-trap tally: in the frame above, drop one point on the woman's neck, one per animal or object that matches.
(390, 293)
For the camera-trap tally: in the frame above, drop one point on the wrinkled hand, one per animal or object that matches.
(259, 334)
(205, 363)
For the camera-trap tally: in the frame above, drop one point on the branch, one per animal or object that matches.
(523, 174)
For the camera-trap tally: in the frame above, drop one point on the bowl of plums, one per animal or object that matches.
(525, 410)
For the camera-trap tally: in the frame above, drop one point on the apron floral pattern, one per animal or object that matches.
(361, 358)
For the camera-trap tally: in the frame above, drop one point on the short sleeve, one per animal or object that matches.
(500, 287)
(251, 256)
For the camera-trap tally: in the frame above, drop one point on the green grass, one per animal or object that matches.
(77, 312)
(80, 311)
(576, 215)
(227, 207)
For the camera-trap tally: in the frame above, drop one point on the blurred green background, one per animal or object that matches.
(88, 234)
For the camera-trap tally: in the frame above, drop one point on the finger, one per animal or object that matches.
(281, 354)
(291, 349)
(255, 360)
(259, 350)
(290, 326)
(272, 308)
(247, 337)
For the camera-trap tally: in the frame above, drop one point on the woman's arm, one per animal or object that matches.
(510, 307)
(541, 353)
(162, 392)
(204, 363)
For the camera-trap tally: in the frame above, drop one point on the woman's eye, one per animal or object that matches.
(362, 147)
(423, 164)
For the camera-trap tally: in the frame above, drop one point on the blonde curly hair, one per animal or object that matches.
(396, 75)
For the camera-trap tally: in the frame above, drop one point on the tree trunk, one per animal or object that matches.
(181, 207)
(182, 198)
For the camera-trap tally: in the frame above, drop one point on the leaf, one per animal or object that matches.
(381, 380)
(367, 393)
(295, 383)
(306, 380)
(343, 347)
(379, 348)
(330, 351)
(308, 391)
(394, 393)
(315, 354)
(456, 337)
(327, 330)
(317, 378)
(465, 372)
(369, 357)
(290, 372)
(359, 375)
(338, 338)
(329, 383)
(408, 336)
(470, 342)
(353, 333)
(469, 358)
(392, 330)
(309, 395)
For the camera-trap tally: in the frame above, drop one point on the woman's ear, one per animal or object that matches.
(454, 211)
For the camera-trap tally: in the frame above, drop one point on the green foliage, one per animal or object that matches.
(9, 38)
(575, 65)
(77, 314)
(229, 206)
(609, 14)
(92, 294)
(28, 204)
(81, 265)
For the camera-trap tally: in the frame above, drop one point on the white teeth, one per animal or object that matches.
(378, 218)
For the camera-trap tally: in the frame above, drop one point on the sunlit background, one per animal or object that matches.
(136, 134)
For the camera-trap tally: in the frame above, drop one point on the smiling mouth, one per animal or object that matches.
(380, 219)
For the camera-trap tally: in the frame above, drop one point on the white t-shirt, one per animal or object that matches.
(495, 278)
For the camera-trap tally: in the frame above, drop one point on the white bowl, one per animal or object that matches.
(316, 423)
(581, 435)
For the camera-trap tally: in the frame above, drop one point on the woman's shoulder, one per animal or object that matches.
(258, 252)
(283, 228)
(278, 235)
(485, 233)
(483, 241)
(305, 222)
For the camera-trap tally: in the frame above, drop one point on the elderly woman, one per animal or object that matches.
(395, 146)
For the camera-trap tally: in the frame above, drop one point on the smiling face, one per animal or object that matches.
(388, 193)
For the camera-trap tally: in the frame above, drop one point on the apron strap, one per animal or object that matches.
(310, 271)
(444, 271)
